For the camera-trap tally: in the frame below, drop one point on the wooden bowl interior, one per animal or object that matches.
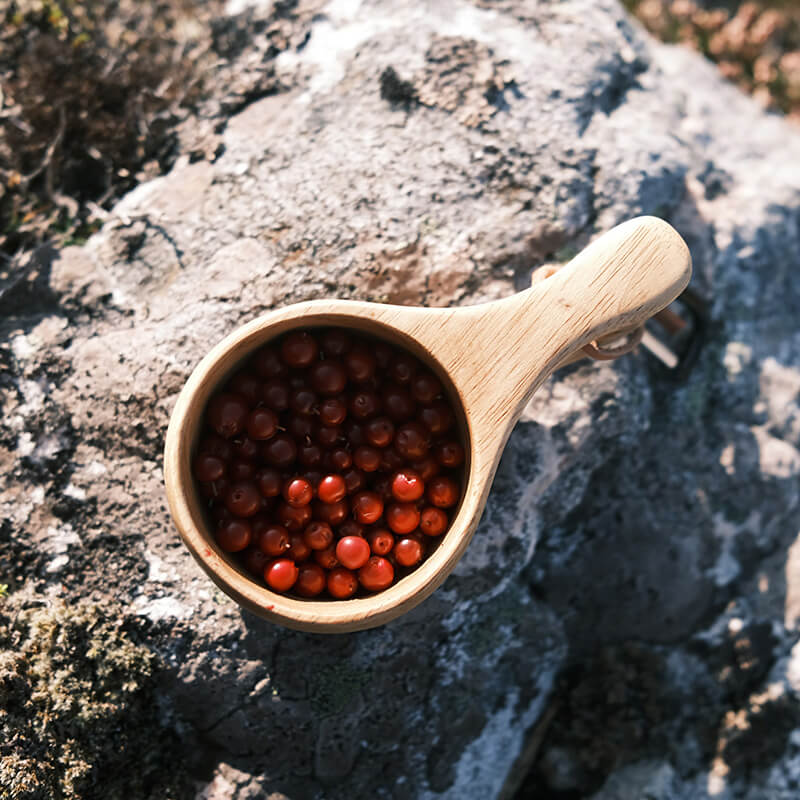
(320, 615)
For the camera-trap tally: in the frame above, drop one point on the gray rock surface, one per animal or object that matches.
(626, 616)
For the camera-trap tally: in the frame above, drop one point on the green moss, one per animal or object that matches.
(78, 718)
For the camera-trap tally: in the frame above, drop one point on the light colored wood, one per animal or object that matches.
(491, 357)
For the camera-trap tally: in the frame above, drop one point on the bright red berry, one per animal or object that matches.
(352, 552)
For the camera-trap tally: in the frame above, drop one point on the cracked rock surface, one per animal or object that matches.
(624, 623)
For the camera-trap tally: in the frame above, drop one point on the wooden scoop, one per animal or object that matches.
(491, 358)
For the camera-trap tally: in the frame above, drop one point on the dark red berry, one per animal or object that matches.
(333, 411)
(437, 417)
(262, 423)
(318, 535)
(332, 513)
(300, 428)
(309, 455)
(367, 458)
(303, 401)
(233, 535)
(379, 431)
(327, 558)
(214, 489)
(449, 454)
(342, 583)
(367, 507)
(340, 459)
(295, 518)
(242, 499)
(408, 551)
(310, 580)
(327, 437)
(354, 433)
(425, 388)
(280, 450)
(354, 480)
(360, 364)
(426, 468)
(281, 574)
(432, 521)
(267, 364)
(397, 403)
(241, 471)
(380, 541)
(246, 448)
(269, 481)
(298, 549)
(216, 445)
(403, 368)
(364, 404)
(298, 492)
(275, 393)
(298, 349)
(227, 413)
(411, 441)
(383, 353)
(390, 460)
(208, 467)
(328, 377)
(352, 551)
(274, 540)
(442, 491)
(350, 528)
(331, 489)
(376, 574)
(335, 343)
(402, 517)
(255, 561)
(246, 385)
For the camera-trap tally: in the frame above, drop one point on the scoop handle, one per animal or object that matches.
(506, 349)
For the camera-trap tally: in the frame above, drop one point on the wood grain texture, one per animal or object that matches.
(491, 357)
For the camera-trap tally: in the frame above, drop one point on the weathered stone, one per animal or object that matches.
(625, 508)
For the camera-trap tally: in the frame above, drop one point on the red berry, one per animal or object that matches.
(367, 507)
(342, 583)
(298, 549)
(426, 468)
(303, 401)
(318, 535)
(216, 445)
(332, 513)
(280, 450)
(208, 467)
(367, 458)
(309, 455)
(241, 471)
(328, 377)
(442, 491)
(432, 521)
(412, 440)
(242, 499)
(269, 481)
(327, 437)
(354, 480)
(407, 485)
(310, 580)
(360, 364)
(255, 561)
(352, 551)
(233, 535)
(437, 417)
(364, 404)
(262, 423)
(408, 551)
(227, 413)
(331, 489)
(380, 541)
(397, 403)
(379, 431)
(295, 518)
(275, 394)
(335, 343)
(281, 574)
(450, 454)
(327, 558)
(403, 367)
(267, 363)
(274, 540)
(333, 411)
(297, 492)
(376, 574)
(246, 385)
(390, 460)
(340, 459)
(298, 349)
(425, 388)
(402, 517)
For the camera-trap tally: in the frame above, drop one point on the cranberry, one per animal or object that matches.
(267, 364)
(298, 492)
(397, 403)
(379, 431)
(367, 458)
(332, 513)
(328, 377)
(364, 404)
(402, 517)
(318, 535)
(233, 535)
(298, 349)
(360, 364)
(246, 385)
(367, 507)
(449, 454)
(442, 491)
(208, 467)
(380, 541)
(262, 423)
(327, 558)
(432, 521)
(298, 549)
(342, 583)
(227, 413)
(403, 367)
(242, 498)
(241, 471)
(408, 551)
(335, 343)
(275, 394)
(331, 489)
(407, 486)
(295, 518)
(411, 441)
(376, 574)
(425, 388)
(269, 482)
(274, 540)
(352, 551)
(255, 561)
(310, 580)
(437, 417)
(281, 574)
(333, 411)
(280, 450)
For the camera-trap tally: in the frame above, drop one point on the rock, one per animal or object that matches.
(630, 567)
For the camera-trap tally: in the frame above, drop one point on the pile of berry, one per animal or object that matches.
(330, 462)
